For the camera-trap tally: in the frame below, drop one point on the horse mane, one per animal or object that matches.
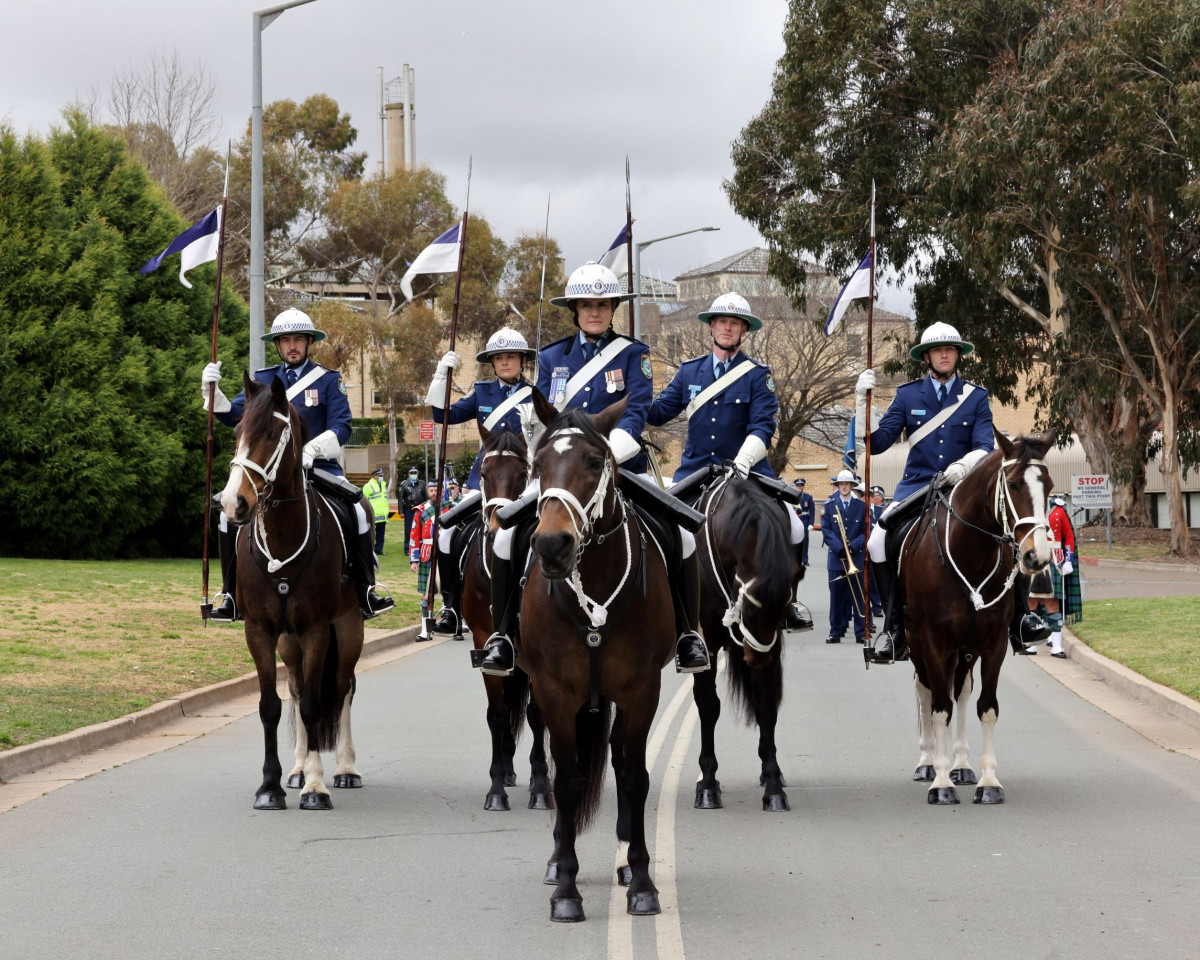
(580, 420)
(1032, 446)
(257, 415)
(505, 441)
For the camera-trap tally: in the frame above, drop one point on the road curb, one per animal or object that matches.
(1138, 565)
(1131, 683)
(67, 746)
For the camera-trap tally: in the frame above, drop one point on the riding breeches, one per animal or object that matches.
(875, 545)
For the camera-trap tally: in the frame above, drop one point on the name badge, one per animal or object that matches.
(485, 409)
(558, 384)
(917, 413)
(311, 398)
(693, 389)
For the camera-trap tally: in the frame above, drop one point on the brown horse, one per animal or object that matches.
(749, 573)
(503, 474)
(296, 590)
(957, 568)
(596, 631)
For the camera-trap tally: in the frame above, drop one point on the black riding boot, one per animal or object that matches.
(362, 560)
(449, 621)
(798, 616)
(1027, 628)
(501, 655)
(691, 653)
(892, 645)
(226, 611)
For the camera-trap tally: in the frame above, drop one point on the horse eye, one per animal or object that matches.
(1013, 485)
(595, 463)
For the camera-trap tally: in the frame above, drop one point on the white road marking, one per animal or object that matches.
(668, 929)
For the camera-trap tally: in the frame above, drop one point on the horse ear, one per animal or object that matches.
(543, 408)
(249, 384)
(484, 432)
(1003, 443)
(278, 393)
(609, 417)
(1049, 437)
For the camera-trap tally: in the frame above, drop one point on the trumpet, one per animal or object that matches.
(852, 573)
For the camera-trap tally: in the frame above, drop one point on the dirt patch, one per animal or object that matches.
(1134, 543)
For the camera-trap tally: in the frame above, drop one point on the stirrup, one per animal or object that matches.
(218, 614)
(501, 656)
(448, 622)
(374, 604)
(693, 663)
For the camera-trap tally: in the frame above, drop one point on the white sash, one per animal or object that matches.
(938, 419)
(719, 385)
(593, 367)
(498, 414)
(297, 388)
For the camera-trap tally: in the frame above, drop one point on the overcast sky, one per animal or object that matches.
(547, 97)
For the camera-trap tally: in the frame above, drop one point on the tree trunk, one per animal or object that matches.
(1101, 428)
(1180, 537)
(777, 458)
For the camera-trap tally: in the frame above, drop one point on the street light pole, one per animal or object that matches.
(260, 20)
(637, 273)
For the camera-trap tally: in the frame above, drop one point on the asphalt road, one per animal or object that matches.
(1093, 856)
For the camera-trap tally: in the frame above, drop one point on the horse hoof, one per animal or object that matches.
(624, 876)
(315, 801)
(296, 781)
(538, 801)
(347, 781)
(495, 801)
(644, 904)
(270, 801)
(708, 798)
(551, 877)
(776, 803)
(963, 775)
(510, 779)
(989, 795)
(566, 911)
(923, 773)
(943, 795)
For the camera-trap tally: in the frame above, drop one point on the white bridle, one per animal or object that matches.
(489, 506)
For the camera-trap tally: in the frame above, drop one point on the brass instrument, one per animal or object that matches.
(852, 574)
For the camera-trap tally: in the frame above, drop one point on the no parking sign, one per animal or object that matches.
(1091, 492)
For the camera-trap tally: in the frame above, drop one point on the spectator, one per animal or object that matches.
(410, 495)
(376, 493)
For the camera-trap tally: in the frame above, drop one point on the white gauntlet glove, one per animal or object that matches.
(624, 447)
(449, 361)
(960, 468)
(212, 374)
(866, 381)
(752, 450)
(324, 446)
(437, 386)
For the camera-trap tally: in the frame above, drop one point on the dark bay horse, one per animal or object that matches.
(503, 474)
(957, 568)
(597, 628)
(297, 593)
(749, 573)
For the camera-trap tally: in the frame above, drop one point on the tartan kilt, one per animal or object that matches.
(423, 577)
(1068, 592)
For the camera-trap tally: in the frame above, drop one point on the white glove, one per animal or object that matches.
(866, 381)
(1067, 568)
(437, 389)
(212, 375)
(324, 446)
(624, 447)
(960, 468)
(860, 419)
(752, 450)
(449, 361)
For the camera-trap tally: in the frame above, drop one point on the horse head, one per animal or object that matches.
(577, 474)
(1020, 500)
(269, 438)
(503, 471)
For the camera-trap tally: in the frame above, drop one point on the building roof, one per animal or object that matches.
(752, 260)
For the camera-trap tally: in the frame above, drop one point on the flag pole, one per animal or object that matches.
(629, 241)
(205, 605)
(866, 428)
(537, 354)
(431, 588)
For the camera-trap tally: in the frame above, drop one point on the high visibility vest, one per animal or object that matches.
(376, 491)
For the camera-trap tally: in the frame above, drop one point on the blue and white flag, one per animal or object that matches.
(616, 249)
(850, 453)
(196, 245)
(859, 285)
(441, 256)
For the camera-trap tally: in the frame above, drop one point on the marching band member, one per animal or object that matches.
(320, 397)
(844, 528)
(1055, 591)
(590, 370)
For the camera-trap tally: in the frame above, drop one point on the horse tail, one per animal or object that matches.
(591, 745)
(516, 701)
(752, 688)
(331, 708)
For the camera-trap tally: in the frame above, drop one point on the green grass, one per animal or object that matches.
(82, 642)
(1155, 637)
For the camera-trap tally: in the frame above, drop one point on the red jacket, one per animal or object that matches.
(1062, 532)
(420, 541)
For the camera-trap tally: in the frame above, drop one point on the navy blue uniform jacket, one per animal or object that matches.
(478, 405)
(854, 516)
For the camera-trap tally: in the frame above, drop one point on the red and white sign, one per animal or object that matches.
(1091, 491)
(426, 429)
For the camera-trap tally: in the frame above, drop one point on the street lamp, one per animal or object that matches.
(637, 273)
(260, 19)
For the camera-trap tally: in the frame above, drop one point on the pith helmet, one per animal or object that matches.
(592, 281)
(293, 321)
(941, 335)
(505, 340)
(844, 476)
(731, 305)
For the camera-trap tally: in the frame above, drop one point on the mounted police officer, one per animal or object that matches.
(730, 404)
(590, 370)
(504, 403)
(320, 397)
(948, 424)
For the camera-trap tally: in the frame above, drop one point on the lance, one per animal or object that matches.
(431, 588)
(537, 355)
(867, 427)
(629, 241)
(205, 604)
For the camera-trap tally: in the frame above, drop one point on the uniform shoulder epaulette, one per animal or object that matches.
(911, 383)
(695, 359)
(269, 369)
(570, 336)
